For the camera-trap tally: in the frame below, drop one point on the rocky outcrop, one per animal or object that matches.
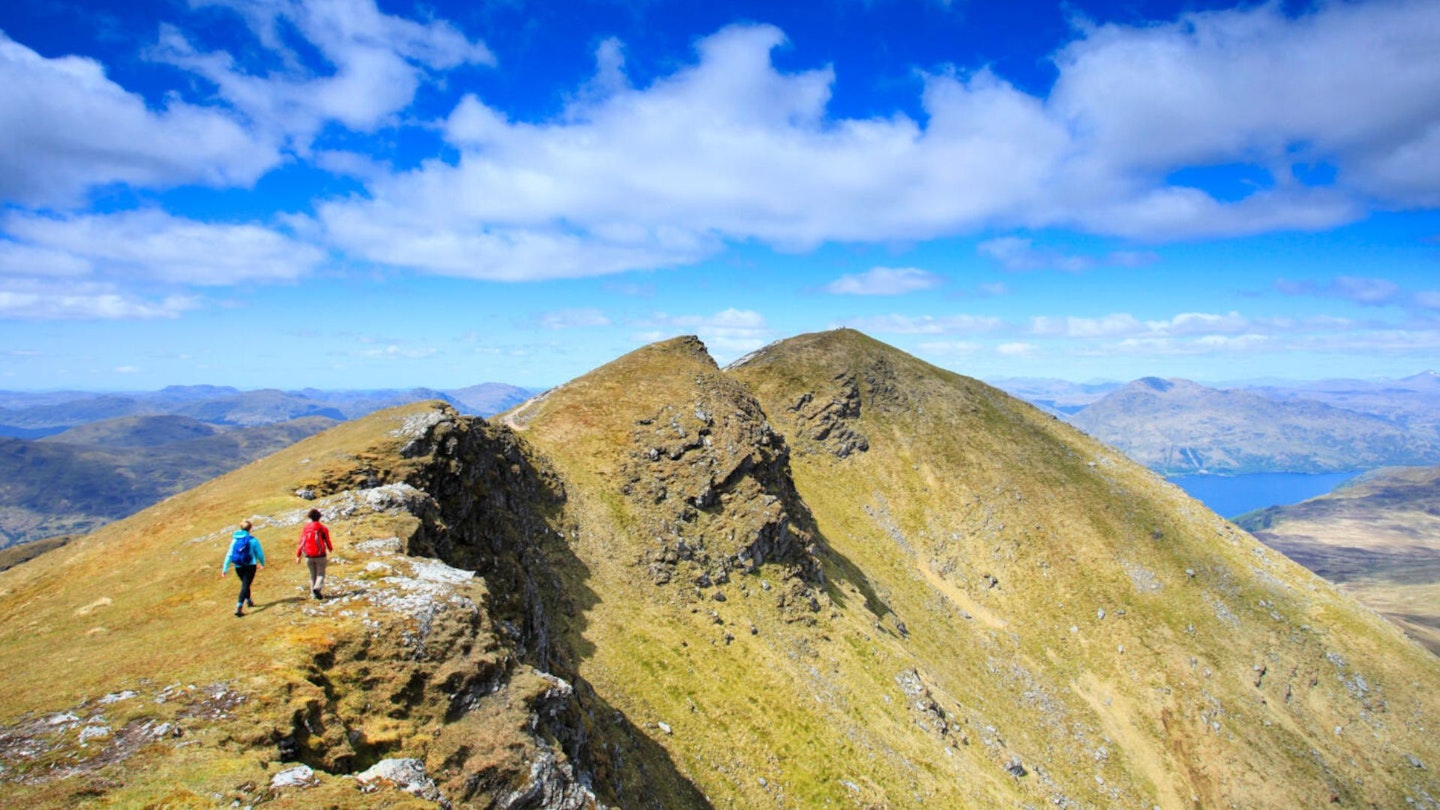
(830, 420)
(711, 480)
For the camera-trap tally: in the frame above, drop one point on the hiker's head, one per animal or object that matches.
(314, 514)
(245, 524)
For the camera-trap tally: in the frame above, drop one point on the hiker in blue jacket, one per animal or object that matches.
(246, 555)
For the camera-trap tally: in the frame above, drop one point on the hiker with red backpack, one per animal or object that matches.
(246, 555)
(314, 546)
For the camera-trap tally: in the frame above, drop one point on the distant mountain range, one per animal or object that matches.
(1378, 537)
(1176, 426)
(71, 461)
(83, 478)
(33, 415)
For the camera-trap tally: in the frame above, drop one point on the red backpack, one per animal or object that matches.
(313, 540)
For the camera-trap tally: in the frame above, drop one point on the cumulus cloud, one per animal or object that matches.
(65, 128)
(1073, 327)
(1341, 83)
(730, 148)
(728, 333)
(150, 245)
(31, 299)
(885, 281)
(726, 149)
(378, 62)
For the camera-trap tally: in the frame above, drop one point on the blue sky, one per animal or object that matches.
(347, 194)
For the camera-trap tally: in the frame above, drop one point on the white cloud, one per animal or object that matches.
(572, 318)
(28, 299)
(1015, 349)
(726, 149)
(395, 351)
(1191, 323)
(1428, 299)
(928, 324)
(1343, 83)
(1019, 254)
(731, 149)
(1363, 291)
(1073, 327)
(378, 60)
(885, 281)
(728, 333)
(65, 128)
(151, 245)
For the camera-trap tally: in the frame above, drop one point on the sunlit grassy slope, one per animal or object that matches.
(831, 575)
(138, 610)
(1378, 537)
(1001, 594)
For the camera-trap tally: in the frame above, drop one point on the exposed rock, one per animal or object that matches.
(829, 419)
(300, 776)
(403, 774)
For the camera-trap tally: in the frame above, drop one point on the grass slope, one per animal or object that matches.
(1001, 595)
(1378, 537)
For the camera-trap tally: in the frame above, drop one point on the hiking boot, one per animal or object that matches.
(249, 603)
(315, 592)
(239, 612)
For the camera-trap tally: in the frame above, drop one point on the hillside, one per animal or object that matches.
(829, 575)
(82, 478)
(1378, 537)
(1177, 427)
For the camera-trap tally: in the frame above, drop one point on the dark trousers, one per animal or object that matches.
(246, 573)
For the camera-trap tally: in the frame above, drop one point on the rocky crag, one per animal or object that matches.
(829, 575)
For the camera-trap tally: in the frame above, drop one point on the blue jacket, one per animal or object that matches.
(257, 554)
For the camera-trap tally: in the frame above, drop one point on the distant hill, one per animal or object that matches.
(136, 431)
(1177, 426)
(103, 456)
(78, 480)
(831, 575)
(1412, 403)
(1378, 537)
(36, 415)
(488, 399)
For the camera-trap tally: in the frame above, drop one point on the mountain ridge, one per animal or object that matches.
(833, 573)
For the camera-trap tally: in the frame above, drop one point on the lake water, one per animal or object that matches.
(1234, 495)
